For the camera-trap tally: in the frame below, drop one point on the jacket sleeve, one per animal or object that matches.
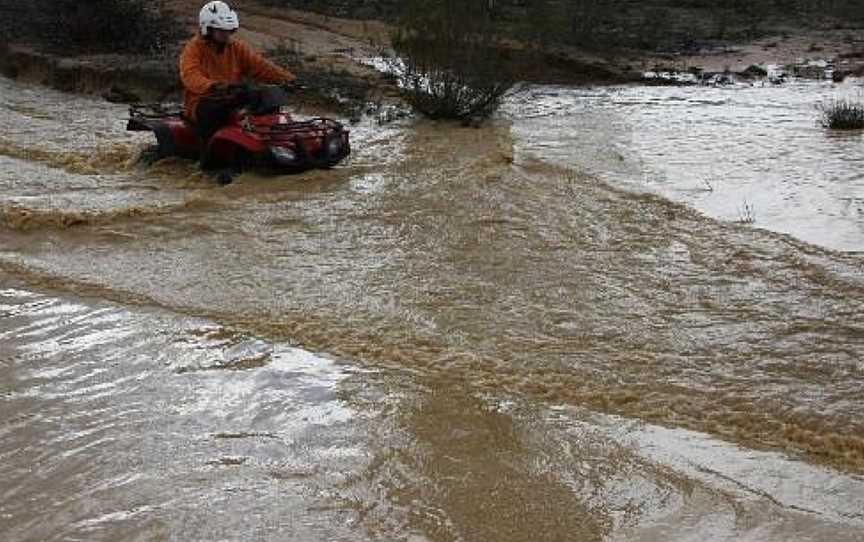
(262, 70)
(191, 73)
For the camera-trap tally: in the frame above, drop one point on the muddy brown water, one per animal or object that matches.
(459, 334)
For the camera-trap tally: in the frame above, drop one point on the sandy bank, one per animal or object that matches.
(327, 53)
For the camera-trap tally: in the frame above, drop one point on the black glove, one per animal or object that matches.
(226, 90)
(218, 89)
(292, 87)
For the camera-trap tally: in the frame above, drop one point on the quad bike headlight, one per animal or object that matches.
(334, 146)
(283, 155)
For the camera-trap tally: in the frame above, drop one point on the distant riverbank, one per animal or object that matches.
(327, 53)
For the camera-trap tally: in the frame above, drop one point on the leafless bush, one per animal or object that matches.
(453, 63)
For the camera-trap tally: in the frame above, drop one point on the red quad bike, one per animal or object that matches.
(260, 133)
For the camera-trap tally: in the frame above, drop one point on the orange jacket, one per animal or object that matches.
(202, 65)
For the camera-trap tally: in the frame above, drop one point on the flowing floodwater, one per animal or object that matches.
(753, 152)
(543, 329)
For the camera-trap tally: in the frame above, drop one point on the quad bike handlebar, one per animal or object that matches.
(252, 95)
(228, 92)
(292, 87)
(233, 89)
(254, 98)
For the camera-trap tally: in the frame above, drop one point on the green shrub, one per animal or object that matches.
(842, 115)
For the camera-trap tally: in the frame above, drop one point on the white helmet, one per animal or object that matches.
(217, 15)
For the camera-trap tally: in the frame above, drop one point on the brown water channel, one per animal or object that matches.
(451, 337)
(752, 152)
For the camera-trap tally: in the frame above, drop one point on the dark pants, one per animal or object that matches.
(212, 114)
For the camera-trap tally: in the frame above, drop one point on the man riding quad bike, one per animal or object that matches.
(227, 124)
(259, 133)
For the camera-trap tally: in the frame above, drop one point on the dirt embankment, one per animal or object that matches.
(325, 52)
(841, 48)
(322, 51)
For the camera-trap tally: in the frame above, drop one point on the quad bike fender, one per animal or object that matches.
(239, 137)
(173, 136)
(230, 145)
